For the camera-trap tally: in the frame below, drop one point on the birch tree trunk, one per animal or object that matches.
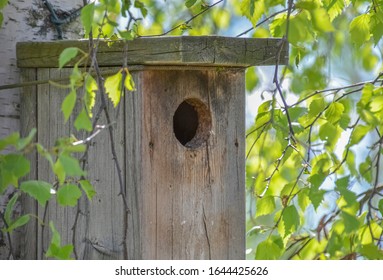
(25, 20)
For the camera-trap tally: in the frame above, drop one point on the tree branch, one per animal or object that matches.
(262, 22)
(185, 22)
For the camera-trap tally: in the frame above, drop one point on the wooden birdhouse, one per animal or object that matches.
(180, 139)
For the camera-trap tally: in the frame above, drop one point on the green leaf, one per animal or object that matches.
(67, 55)
(307, 5)
(335, 243)
(372, 252)
(365, 170)
(68, 104)
(342, 183)
(376, 104)
(316, 106)
(265, 205)
(90, 94)
(16, 164)
(370, 233)
(71, 165)
(290, 219)
(113, 88)
(316, 197)
(252, 79)
(380, 205)
(55, 249)
(360, 29)
(300, 29)
(334, 112)
(278, 25)
(366, 95)
(87, 15)
(43, 152)
(60, 253)
(83, 121)
(335, 8)
(59, 171)
(76, 78)
(329, 133)
(18, 223)
(270, 249)
(321, 20)
(350, 161)
(351, 223)
(129, 83)
(358, 134)
(253, 10)
(68, 195)
(11, 139)
(88, 189)
(127, 34)
(3, 3)
(9, 208)
(289, 189)
(190, 3)
(316, 180)
(303, 199)
(141, 6)
(376, 28)
(39, 190)
(321, 164)
(56, 238)
(23, 142)
(12, 168)
(1, 19)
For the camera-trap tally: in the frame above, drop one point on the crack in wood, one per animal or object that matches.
(206, 231)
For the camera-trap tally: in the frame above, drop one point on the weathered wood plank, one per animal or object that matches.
(43, 132)
(51, 126)
(178, 50)
(27, 237)
(192, 199)
(134, 172)
(104, 219)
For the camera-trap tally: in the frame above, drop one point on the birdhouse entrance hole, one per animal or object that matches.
(192, 123)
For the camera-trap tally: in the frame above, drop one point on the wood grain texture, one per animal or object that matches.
(26, 237)
(104, 214)
(192, 200)
(51, 126)
(177, 50)
(185, 203)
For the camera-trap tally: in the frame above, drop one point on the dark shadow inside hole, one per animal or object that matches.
(185, 122)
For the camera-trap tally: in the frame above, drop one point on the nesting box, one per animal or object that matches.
(180, 139)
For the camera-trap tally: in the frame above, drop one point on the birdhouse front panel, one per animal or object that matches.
(192, 149)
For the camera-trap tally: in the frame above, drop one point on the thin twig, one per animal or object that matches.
(10, 254)
(296, 253)
(185, 22)
(262, 22)
(336, 89)
(42, 238)
(256, 140)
